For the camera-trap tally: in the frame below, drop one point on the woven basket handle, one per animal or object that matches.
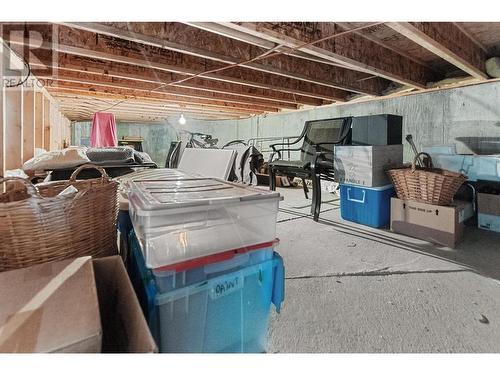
(104, 175)
(30, 188)
(414, 162)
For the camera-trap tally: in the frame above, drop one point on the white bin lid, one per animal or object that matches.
(153, 174)
(149, 195)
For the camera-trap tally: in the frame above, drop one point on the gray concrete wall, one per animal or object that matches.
(467, 116)
(157, 136)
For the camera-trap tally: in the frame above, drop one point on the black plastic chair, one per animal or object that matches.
(319, 138)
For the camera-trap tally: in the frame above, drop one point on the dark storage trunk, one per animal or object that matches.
(378, 130)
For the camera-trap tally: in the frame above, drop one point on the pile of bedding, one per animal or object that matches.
(74, 156)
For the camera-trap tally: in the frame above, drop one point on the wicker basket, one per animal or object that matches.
(37, 225)
(428, 185)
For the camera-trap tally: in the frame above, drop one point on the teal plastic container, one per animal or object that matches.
(225, 312)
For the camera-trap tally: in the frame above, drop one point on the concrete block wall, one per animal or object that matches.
(468, 117)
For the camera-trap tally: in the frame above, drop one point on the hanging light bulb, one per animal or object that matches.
(182, 119)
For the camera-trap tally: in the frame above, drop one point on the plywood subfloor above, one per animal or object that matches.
(244, 69)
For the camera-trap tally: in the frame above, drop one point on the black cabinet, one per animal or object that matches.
(377, 130)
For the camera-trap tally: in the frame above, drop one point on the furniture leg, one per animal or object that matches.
(317, 194)
(272, 179)
(314, 195)
(304, 186)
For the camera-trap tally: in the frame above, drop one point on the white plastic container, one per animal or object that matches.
(180, 219)
(488, 167)
(475, 167)
(441, 149)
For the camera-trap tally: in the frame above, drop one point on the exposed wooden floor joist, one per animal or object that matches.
(447, 41)
(242, 69)
(351, 50)
(196, 42)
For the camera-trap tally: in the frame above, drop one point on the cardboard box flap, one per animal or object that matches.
(124, 328)
(51, 307)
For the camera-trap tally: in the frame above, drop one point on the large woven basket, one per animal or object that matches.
(426, 184)
(37, 225)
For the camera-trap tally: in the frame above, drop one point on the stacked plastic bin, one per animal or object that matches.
(203, 264)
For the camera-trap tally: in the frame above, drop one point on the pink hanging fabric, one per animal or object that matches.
(103, 132)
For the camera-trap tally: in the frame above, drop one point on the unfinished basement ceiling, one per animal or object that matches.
(148, 71)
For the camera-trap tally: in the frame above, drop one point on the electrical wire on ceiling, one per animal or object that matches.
(269, 53)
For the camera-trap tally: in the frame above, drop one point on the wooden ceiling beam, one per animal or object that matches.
(119, 114)
(97, 106)
(105, 48)
(81, 64)
(447, 41)
(76, 106)
(229, 32)
(98, 85)
(366, 34)
(197, 86)
(193, 41)
(126, 116)
(126, 94)
(141, 74)
(111, 97)
(83, 43)
(250, 39)
(350, 49)
(130, 116)
(165, 113)
(235, 75)
(463, 29)
(139, 119)
(121, 82)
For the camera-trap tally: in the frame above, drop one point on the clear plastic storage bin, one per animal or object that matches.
(226, 311)
(181, 219)
(201, 269)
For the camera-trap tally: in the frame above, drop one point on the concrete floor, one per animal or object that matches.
(351, 288)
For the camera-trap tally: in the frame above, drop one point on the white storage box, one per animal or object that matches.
(366, 165)
(181, 219)
(207, 162)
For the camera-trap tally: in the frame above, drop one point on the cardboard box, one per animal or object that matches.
(377, 130)
(488, 204)
(281, 181)
(488, 207)
(366, 165)
(50, 307)
(443, 225)
(124, 327)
